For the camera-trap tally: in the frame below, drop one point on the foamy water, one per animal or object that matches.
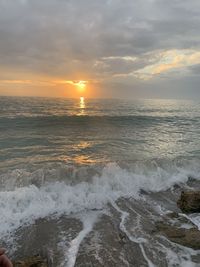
(24, 204)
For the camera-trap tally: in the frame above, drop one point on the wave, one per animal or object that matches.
(132, 121)
(26, 203)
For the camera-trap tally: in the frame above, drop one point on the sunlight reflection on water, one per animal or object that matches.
(82, 106)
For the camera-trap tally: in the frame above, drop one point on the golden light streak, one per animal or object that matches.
(82, 102)
(82, 106)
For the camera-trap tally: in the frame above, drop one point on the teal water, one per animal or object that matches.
(37, 130)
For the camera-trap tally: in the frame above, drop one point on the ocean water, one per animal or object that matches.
(72, 169)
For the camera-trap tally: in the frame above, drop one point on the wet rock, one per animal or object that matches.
(35, 261)
(179, 229)
(42, 238)
(108, 246)
(189, 201)
(191, 179)
(185, 237)
(122, 238)
(176, 186)
(172, 215)
(143, 192)
(179, 220)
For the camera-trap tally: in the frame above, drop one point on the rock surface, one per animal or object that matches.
(130, 234)
(177, 233)
(35, 261)
(189, 201)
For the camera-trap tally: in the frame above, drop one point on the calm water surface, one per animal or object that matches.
(37, 130)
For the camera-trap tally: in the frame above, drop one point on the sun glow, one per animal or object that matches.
(80, 85)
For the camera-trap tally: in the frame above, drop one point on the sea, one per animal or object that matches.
(87, 180)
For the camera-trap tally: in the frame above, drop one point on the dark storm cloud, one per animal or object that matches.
(62, 37)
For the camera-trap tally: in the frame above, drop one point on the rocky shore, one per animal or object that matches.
(189, 201)
(109, 245)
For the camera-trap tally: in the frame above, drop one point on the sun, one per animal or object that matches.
(81, 85)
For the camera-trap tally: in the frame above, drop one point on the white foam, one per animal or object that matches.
(26, 204)
(139, 241)
(71, 253)
(195, 218)
(181, 257)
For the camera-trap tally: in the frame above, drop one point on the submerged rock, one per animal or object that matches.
(35, 261)
(179, 229)
(183, 236)
(189, 201)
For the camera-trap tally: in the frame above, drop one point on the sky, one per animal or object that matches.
(100, 48)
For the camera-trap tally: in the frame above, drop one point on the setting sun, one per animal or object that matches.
(81, 85)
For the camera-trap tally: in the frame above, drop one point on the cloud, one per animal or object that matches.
(168, 61)
(98, 40)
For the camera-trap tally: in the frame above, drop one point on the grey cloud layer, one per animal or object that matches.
(61, 37)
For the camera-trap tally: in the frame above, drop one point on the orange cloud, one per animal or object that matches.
(16, 82)
(27, 82)
(169, 61)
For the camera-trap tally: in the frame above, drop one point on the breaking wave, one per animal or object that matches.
(24, 202)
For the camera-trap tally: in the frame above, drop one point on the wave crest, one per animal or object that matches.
(24, 204)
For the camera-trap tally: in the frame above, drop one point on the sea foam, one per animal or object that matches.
(23, 205)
